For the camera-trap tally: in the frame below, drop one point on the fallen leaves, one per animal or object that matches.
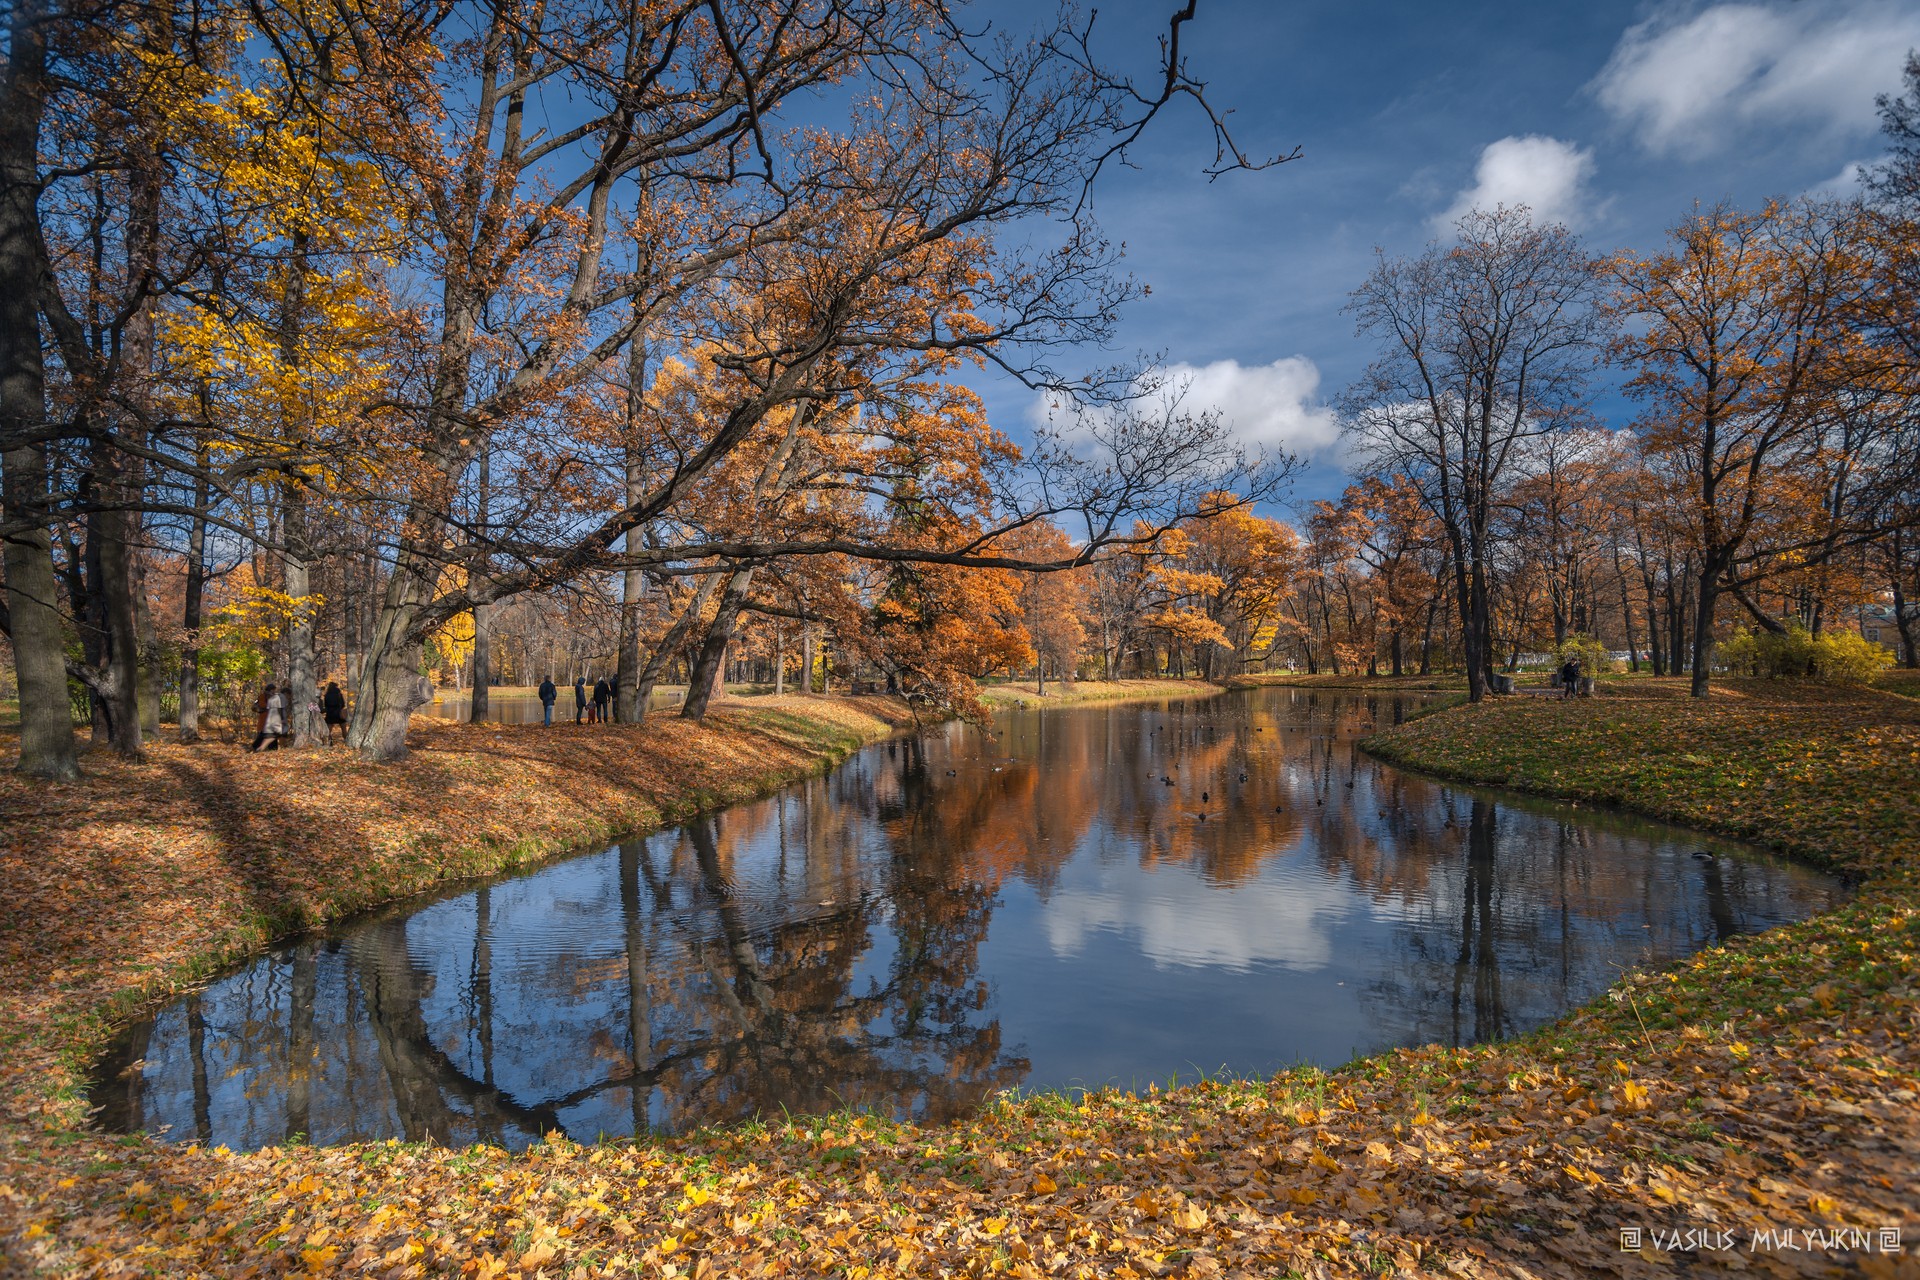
(1769, 1083)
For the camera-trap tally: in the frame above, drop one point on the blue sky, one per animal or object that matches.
(1612, 117)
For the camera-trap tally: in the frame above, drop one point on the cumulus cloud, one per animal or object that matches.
(1274, 406)
(1545, 174)
(1688, 84)
(1180, 921)
(1845, 184)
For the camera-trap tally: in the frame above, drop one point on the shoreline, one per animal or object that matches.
(1654, 1101)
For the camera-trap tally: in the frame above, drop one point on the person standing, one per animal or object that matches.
(579, 699)
(273, 723)
(600, 695)
(1569, 677)
(613, 697)
(333, 706)
(547, 694)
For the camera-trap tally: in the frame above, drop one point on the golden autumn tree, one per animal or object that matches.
(1737, 351)
(1052, 605)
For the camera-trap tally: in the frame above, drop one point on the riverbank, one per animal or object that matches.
(1766, 1084)
(129, 885)
(1349, 680)
(1084, 691)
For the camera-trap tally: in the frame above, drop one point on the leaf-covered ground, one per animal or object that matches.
(1765, 1086)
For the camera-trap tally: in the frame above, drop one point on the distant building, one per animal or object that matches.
(1879, 626)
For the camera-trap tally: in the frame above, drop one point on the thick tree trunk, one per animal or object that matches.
(114, 679)
(710, 666)
(303, 695)
(670, 643)
(32, 613)
(391, 685)
(1703, 629)
(147, 674)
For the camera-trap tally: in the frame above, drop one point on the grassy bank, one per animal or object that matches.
(1081, 691)
(1829, 775)
(1350, 680)
(1767, 1084)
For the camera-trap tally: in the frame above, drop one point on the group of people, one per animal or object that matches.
(275, 701)
(596, 705)
(590, 706)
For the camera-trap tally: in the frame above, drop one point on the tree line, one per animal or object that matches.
(374, 339)
(352, 330)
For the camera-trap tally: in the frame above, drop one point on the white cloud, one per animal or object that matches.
(1181, 921)
(1546, 175)
(1846, 183)
(1688, 85)
(1265, 406)
(1274, 406)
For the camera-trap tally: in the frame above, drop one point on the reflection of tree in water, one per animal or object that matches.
(781, 1024)
(825, 948)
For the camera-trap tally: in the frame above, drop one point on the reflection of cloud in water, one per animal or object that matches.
(1182, 920)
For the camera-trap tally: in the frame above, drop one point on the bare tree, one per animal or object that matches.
(1486, 343)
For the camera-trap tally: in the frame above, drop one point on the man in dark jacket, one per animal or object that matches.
(579, 699)
(600, 695)
(547, 694)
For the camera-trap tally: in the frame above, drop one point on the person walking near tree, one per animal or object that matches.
(600, 695)
(333, 707)
(547, 694)
(273, 723)
(579, 699)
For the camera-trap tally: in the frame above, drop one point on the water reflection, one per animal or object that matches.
(1108, 895)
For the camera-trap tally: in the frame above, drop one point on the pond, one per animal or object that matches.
(1093, 896)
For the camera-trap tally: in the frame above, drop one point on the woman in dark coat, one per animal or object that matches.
(334, 705)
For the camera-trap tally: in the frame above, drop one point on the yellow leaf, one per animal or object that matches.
(1043, 1185)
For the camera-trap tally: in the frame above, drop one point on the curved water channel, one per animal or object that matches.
(1102, 895)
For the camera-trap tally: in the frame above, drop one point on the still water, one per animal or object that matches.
(1107, 895)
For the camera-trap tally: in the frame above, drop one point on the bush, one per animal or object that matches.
(1846, 657)
(1837, 657)
(1588, 652)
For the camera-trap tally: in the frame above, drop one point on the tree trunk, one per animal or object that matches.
(303, 697)
(31, 593)
(147, 675)
(190, 615)
(633, 582)
(709, 667)
(1703, 629)
(806, 655)
(670, 643)
(391, 685)
(477, 706)
(1910, 651)
(32, 615)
